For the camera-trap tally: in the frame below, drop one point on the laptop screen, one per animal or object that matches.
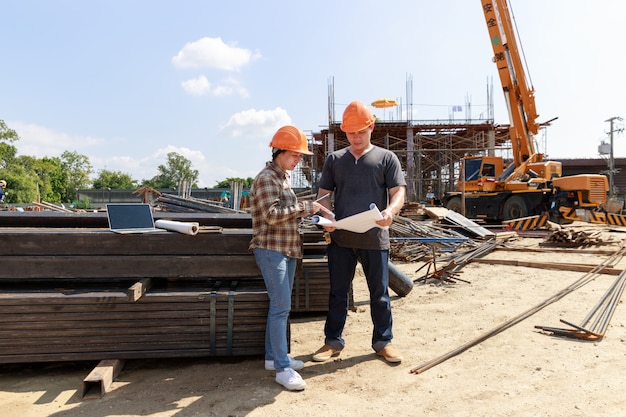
(129, 216)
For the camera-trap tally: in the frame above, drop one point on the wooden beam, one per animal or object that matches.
(138, 289)
(96, 384)
(550, 265)
(128, 267)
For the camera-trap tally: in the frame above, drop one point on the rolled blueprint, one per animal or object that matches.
(188, 228)
(359, 223)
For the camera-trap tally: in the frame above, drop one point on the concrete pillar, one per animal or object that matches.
(411, 180)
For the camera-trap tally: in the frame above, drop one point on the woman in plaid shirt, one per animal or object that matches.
(276, 245)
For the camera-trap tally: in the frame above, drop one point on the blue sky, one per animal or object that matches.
(127, 81)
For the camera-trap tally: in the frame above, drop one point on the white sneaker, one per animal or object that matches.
(294, 364)
(291, 380)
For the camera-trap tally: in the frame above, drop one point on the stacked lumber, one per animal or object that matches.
(55, 219)
(570, 237)
(310, 288)
(87, 293)
(171, 202)
(47, 322)
(414, 211)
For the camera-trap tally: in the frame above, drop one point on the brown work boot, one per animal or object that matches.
(391, 354)
(325, 353)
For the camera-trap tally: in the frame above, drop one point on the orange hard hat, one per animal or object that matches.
(357, 116)
(290, 138)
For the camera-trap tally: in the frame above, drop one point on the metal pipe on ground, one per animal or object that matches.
(398, 281)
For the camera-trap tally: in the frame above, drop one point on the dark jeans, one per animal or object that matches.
(341, 266)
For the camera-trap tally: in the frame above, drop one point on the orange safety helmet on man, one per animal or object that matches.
(290, 138)
(356, 117)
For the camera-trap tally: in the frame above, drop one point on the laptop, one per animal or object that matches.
(125, 218)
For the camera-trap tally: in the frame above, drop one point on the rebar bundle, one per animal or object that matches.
(585, 279)
(594, 326)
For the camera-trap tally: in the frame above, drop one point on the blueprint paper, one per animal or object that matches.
(188, 228)
(358, 223)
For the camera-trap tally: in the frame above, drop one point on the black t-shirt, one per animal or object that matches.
(357, 184)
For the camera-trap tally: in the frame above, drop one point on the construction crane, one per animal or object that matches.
(529, 185)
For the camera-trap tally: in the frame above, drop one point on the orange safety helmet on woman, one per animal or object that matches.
(290, 138)
(356, 117)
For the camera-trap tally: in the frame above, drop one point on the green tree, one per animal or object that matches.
(77, 168)
(51, 179)
(6, 134)
(21, 185)
(174, 172)
(114, 180)
(7, 155)
(247, 183)
(21, 182)
(31, 179)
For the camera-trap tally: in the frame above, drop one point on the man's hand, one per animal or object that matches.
(386, 220)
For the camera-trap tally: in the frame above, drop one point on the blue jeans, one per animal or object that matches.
(278, 273)
(341, 267)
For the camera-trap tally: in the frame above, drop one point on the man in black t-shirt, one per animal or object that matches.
(357, 176)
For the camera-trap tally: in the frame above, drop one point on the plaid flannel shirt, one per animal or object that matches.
(276, 212)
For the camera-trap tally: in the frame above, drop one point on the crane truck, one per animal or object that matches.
(529, 185)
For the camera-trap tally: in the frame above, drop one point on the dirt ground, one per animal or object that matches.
(516, 371)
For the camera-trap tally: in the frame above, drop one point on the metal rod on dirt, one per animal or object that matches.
(597, 329)
(588, 277)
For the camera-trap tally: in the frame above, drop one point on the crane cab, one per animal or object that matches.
(481, 173)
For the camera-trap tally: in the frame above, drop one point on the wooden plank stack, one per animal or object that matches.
(98, 321)
(89, 294)
(570, 238)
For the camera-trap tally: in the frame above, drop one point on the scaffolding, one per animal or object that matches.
(430, 151)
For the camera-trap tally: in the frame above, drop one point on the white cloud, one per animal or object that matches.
(146, 167)
(197, 86)
(201, 86)
(138, 168)
(161, 154)
(40, 141)
(231, 86)
(213, 53)
(255, 123)
(210, 171)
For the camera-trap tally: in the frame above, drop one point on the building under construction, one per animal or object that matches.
(430, 151)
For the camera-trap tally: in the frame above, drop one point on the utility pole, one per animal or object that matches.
(612, 157)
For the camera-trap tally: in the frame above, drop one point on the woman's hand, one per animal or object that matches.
(325, 212)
